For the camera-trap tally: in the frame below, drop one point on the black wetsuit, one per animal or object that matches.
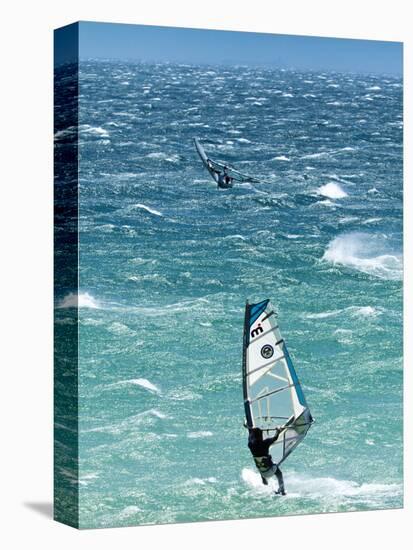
(260, 450)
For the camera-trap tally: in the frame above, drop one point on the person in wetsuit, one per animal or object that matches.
(224, 179)
(259, 448)
(227, 177)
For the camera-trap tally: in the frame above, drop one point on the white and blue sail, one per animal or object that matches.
(273, 396)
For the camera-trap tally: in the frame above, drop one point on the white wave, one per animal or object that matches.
(83, 299)
(143, 382)
(323, 314)
(325, 488)
(199, 481)
(326, 202)
(366, 311)
(86, 479)
(158, 414)
(129, 423)
(357, 311)
(95, 131)
(184, 395)
(367, 253)
(129, 511)
(330, 488)
(198, 435)
(347, 219)
(332, 191)
(235, 237)
(163, 156)
(148, 209)
(370, 220)
(282, 157)
(316, 155)
(251, 187)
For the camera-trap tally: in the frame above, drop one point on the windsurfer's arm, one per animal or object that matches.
(273, 439)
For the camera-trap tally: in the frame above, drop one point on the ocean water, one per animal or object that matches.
(167, 262)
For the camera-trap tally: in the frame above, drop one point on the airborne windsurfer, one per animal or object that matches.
(259, 448)
(224, 180)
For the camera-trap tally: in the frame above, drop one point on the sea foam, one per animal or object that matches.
(142, 382)
(148, 209)
(83, 299)
(332, 191)
(365, 252)
(328, 489)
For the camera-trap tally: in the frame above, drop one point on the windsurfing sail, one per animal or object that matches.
(215, 168)
(273, 396)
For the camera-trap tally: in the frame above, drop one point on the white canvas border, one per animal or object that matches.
(26, 220)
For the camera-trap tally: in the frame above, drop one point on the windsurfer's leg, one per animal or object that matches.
(264, 480)
(280, 479)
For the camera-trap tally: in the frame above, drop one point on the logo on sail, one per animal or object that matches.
(258, 330)
(267, 351)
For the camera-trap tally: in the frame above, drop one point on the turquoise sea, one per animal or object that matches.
(167, 262)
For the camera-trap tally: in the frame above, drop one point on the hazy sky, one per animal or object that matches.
(149, 43)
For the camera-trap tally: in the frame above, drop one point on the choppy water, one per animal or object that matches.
(167, 261)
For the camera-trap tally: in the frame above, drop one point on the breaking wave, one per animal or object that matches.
(329, 489)
(142, 382)
(367, 253)
(332, 191)
(148, 209)
(84, 299)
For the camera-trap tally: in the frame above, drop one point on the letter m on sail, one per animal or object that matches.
(256, 331)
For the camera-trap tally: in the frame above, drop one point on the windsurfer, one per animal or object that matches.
(224, 180)
(259, 448)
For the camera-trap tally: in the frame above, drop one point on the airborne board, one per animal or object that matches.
(216, 168)
(273, 396)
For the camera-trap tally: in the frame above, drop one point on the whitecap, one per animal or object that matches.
(235, 237)
(199, 481)
(357, 311)
(282, 157)
(142, 382)
(148, 209)
(316, 155)
(323, 314)
(198, 435)
(367, 253)
(83, 299)
(95, 131)
(328, 489)
(158, 414)
(366, 311)
(327, 202)
(129, 511)
(332, 191)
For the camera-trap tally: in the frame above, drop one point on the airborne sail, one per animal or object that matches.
(214, 167)
(273, 396)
